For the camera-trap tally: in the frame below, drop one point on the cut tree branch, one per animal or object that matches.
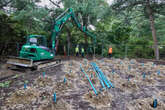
(56, 4)
(129, 5)
(5, 4)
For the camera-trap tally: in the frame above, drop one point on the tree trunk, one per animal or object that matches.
(84, 19)
(86, 39)
(156, 49)
(68, 39)
(2, 48)
(5, 50)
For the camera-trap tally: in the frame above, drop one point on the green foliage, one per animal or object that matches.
(88, 11)
(5, 84)
(31, 16)
(113, 32)
(149, 9)
(140, 47)
(120, 33)
(10, 30)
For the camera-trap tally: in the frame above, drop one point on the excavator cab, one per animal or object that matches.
(36, 49)
(39, 40)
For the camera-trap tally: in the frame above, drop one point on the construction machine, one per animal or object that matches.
(36, 54)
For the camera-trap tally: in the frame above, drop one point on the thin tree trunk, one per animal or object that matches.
(156, 49)
(85, 36)
(86, 39)
(1, 48)
(5, 50)
(68, 39)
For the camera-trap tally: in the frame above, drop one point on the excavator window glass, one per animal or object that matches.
(33, 50)
(33, 40)
(38, 40)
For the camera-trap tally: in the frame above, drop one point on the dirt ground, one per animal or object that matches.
(136, 85)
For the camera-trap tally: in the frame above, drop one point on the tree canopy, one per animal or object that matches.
(135, 27)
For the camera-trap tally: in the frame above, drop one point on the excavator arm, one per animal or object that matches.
(61, 20)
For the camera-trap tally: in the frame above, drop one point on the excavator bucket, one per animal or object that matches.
(17, 61)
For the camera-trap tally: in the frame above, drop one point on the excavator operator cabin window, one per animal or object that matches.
(33, 50)
(33, 40)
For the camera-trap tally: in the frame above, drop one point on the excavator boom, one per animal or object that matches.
(61, 20)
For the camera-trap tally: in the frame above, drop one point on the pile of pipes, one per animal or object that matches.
(105, 83)
(103, 79)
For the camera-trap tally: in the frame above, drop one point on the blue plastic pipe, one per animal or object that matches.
(144, 75)
(110, 83)
(155, 103)
(99, 77)
(153, 64)
(158, 72)
(54, 97)
(43, 74)
(25, 85)
(103, 77)
(129, 67)
(64, 80)
(89, 80)
(113, 71)
(91, 75)
(142, 64)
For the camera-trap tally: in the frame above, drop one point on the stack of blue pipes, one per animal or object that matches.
(102, 78)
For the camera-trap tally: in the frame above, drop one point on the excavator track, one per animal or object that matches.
(19, 71)
(22, 64)
(47, 64)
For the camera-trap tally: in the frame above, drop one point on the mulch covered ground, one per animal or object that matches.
(136, 85)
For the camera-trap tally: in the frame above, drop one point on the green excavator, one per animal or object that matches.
(36, 54)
